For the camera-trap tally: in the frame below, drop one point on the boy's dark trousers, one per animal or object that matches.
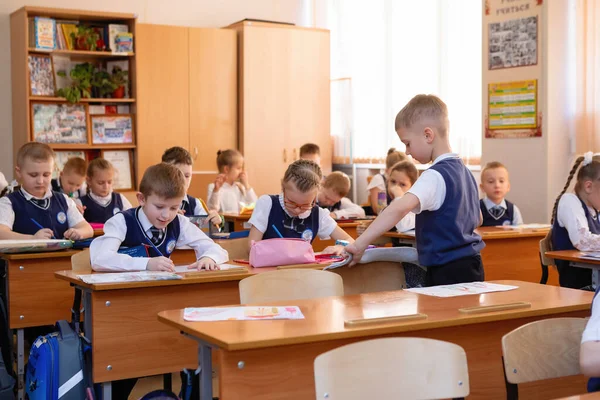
(466, 269)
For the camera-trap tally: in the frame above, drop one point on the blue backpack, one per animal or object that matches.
(57, 366)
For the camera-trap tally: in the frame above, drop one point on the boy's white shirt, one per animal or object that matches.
(228, 198)
(591, 333)
(349, 210)
(262, 209)
(430, 188)
(7, 214)
(407, 223)
(199, 209)
(104, 201)
(571, 216)
(103, 250)
(517, 217)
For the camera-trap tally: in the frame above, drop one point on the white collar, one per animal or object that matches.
(445, 156)
(304, 215)
(28, 196)
(101, 200)
(490, 204)
(143, 219)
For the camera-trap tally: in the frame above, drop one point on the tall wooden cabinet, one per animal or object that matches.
(283, 98)
(187, 85)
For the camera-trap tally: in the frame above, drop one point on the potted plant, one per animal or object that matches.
(119, 80)
(81, 83)
(102, 84)
(86, 38)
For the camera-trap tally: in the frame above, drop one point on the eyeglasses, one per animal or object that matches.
(293, 205)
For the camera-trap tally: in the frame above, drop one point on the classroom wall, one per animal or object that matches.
(199, 13)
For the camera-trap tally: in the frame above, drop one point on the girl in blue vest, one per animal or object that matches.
(101, 203)
(575, 222)
(294, 213)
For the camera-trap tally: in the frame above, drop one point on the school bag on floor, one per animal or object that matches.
(56, 368)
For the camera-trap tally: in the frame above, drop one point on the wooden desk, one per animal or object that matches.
(237, 220)
(586, 396)
(116, 313)
(249, 352)
(575, 257)
(348, 227)
(98, 232)
(508, 253)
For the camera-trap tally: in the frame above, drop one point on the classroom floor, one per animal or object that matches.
(149, 384)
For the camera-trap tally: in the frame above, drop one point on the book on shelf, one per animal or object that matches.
(113, 30)
(42, 33)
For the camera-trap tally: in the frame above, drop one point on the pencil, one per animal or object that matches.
(38, 224)
(277, 231)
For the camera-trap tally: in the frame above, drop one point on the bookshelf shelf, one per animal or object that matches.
(82, 53)
(83, 100)
(75, 146)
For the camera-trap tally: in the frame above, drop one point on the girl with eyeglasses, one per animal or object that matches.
(294, 213)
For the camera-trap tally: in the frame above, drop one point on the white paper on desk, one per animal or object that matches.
(462, 289)
(203, 314)
(184, 268)
(594, 255)
(116, 277)
(525, 226)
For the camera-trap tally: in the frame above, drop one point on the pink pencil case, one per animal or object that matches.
(275, 252)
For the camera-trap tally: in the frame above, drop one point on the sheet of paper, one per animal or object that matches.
(184, 268)
(117, 277)
(594, 255)
(462, 289)
(241, 313)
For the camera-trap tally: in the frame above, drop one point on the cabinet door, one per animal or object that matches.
(309, 89)
(213, 94)
(163, 91)
(265, 105)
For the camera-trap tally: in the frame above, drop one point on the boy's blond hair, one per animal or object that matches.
(164, 180)
(421, 108)
(34, 151)
(98, 164)
(309, 149)
(76, 165)
(492, 165)
(339, 182)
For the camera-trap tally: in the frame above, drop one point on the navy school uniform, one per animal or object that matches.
(505, 219)
(572, 277)
(291, 227)
(95, 212)
(446, 241)
(57, 188)
(52, 216)
(136, 236)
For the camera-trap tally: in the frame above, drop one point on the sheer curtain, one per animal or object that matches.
(391, 50)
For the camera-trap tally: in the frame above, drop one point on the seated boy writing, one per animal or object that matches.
(71, 180)
(332, 196)
(156, 225)
(496, 210)
(444, 197)
(34, 211)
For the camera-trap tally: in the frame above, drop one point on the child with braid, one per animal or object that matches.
(575, 222)
(294, 213)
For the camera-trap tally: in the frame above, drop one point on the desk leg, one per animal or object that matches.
(21, 363)
(107, 391)
(205, 362)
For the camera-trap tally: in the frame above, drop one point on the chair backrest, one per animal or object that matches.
(546, 245)
(543, 350)
(81, 261)
(290, 284)
(393, 368)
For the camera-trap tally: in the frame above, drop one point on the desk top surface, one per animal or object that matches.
(489, 233)
(324, 318)
(571, 255)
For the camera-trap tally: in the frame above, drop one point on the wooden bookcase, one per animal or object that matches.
(22, 99)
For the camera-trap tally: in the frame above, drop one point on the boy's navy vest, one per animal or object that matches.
(189, 206)
(505, 219)
(53, 217)
(447, 234)
(136, 236)
(95, 212)
(291, 227)
(57, 188)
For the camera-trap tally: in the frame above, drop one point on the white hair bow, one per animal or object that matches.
(588, 157)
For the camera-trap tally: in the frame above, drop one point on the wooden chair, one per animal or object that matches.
(545, 245)
(541, 350)
(393, 368)
(290, 284)
(81, 261)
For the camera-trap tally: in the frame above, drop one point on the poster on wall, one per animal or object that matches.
(513, 43)
(512, 105)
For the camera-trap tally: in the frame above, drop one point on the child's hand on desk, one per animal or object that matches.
(219, 180)
(73, 234)
(160, 264)
(44, 234)
(206, 263)
(214, 218)
(337, 250)
(356, 252)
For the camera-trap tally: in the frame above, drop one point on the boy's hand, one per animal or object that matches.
(214, 218)
(73, 234)
(219, 180)
(206, 263)
(44, 234)
(356, 252)
(244, 180)
(395, 191)
(160, 264)
(337, 250)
